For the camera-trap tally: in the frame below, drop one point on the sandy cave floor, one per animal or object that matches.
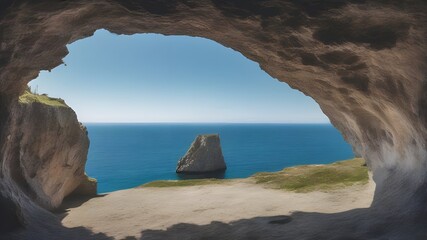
(196, 212)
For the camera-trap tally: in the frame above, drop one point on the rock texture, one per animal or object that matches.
(204, 155)
(46, 150)
(364, 62)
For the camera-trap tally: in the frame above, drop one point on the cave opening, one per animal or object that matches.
(143, 98)
(362, 61)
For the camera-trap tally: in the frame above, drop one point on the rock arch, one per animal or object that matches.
(364, 62)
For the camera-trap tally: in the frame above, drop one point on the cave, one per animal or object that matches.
(363, 62)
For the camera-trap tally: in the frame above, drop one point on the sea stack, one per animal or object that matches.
(204, 155)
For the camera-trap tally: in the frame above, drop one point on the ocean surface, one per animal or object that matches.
(127, 155)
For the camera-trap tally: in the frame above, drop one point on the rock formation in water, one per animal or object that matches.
(364, 62)
(204, 155)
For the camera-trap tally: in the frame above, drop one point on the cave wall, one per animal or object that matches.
(364, 62)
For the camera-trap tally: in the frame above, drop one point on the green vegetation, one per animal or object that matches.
(184, 183)
(29, 97)
(308, 178)
(304, 178)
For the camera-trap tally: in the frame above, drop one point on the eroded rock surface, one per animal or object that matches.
(364, 62)
(204, 155)
(46, 149)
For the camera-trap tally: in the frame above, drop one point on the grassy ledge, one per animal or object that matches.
(184, 183)
(307, 178)
(304, 178)
(29, 97)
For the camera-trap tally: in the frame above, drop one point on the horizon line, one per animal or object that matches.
(207, 122)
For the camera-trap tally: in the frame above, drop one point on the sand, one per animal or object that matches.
(239, 209)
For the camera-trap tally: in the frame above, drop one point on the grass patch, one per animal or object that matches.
(184, 183)
(29, 97)
(308, 178)
(304, 178)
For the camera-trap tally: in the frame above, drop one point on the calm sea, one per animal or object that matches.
(127, 155)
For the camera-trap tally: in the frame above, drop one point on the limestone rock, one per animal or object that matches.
(204, 155)
(48, 149)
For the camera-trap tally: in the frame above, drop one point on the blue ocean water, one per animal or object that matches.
(127, 155)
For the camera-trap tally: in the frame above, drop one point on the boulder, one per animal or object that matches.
(204, 155)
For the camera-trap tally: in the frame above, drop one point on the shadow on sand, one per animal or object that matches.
(364, 223)
(350, 225)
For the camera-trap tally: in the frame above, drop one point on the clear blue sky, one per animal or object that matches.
(156, 78)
